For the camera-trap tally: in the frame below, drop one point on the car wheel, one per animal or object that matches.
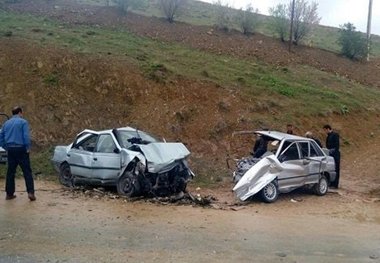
(322, 186)
(65, 176)
(269, 193)
(128, 185)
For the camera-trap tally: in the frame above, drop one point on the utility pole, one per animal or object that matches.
(291, 27)
(369, 29)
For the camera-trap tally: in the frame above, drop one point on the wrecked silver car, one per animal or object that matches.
(291, 162)
(132, 160)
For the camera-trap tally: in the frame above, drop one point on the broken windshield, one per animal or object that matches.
(128, 138)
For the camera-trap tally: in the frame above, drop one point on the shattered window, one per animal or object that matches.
(87, 144)
(105, 144)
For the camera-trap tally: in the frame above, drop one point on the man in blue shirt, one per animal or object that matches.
(15, 139)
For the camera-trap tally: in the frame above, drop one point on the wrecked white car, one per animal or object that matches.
(292, 162)
(132, 160)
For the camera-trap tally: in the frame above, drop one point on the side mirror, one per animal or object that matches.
(306, 161)
(116, 150)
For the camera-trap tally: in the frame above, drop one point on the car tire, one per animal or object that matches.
(269, 193)
(322, 186)
(128, 185)
(65, 176)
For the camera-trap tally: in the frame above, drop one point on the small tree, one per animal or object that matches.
(170, 8)
(280, 20)
(305, 18)
(247, 19)
(125, 5)
(353, 43)
(223, 15)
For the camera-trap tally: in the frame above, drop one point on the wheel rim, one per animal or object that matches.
(66, 176)
(270, 191)
(127, 185)
(323, 186)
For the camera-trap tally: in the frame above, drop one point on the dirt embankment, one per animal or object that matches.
(266, 49)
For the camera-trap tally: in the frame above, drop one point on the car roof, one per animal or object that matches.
(107, 131)
(276, 135)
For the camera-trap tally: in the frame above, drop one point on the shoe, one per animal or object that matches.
(32, 197)
(10, 197)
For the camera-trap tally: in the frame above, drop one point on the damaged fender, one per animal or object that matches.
(256, 178)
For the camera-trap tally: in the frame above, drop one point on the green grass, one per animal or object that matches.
(40, 163)
(298, 88)
(200, 13)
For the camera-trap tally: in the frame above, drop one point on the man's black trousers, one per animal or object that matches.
(18, 156)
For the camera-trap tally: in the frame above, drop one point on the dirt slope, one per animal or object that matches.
(98, 93)
(258, 46)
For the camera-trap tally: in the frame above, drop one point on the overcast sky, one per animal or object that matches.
(332, 12)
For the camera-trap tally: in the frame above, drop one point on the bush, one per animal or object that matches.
(247, 19)
(353, 43)
(305, 18)
(125, 5)
(223, 16)
(170, 8)
(280, 20)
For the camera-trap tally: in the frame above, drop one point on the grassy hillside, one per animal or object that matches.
(182, 93)
(200, 13)
(298, 86)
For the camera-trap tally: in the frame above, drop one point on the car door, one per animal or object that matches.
(106, 163)
(80, 156)
(316, 163)
(294, 171)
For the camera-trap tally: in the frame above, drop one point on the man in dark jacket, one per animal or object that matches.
(332, 143)
(15, 139)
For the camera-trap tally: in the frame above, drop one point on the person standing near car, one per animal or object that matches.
(332, 144)
(290, 129)
(309, 135)
(15, 139)
(260, 147)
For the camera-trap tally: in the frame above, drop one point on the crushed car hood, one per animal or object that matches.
(162, 156)
(256, 178)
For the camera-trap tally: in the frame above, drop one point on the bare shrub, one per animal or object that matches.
(247, 19)
(170, 8)
(280, 20)
(223, 16)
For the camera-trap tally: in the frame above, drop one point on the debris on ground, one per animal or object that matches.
(178, 199)
(186, 199)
